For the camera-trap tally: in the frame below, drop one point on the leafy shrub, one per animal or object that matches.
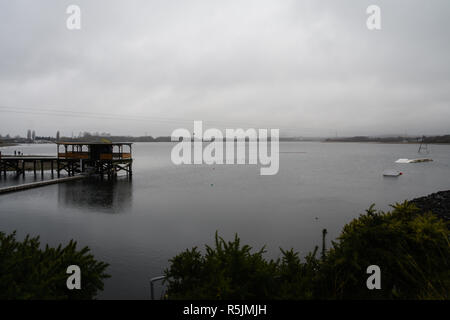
(28, 272)
(412, 250)
(227, 271)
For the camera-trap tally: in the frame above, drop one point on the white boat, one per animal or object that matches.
(392, 173)
(413, 160)
(420, 160)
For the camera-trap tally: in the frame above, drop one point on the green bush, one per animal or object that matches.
(227, 271)
(28, 272)
(412, 250)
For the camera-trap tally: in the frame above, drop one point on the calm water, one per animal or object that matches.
(138, 225)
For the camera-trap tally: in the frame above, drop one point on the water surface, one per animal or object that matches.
(138, 225)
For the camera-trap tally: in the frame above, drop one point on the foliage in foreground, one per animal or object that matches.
(412, 250)
(28, 272)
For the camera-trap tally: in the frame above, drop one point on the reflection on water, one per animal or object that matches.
(94, 194)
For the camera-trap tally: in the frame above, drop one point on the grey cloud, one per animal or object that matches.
(308, 67)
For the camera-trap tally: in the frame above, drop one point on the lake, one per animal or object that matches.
(138, 225)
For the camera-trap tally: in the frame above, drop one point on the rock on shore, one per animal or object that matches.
(438, 203)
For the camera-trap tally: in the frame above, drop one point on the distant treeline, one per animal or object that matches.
(144, 139)
(90, 138)
(157, 139)
(117, 139)
(7, 140)
(398, 139)
(438, 139)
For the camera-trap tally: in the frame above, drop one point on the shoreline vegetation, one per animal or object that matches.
(410, 244)
(30, 271)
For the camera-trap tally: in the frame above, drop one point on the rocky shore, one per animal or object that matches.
(438, 203)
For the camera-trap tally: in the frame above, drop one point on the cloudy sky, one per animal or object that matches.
(310, 68)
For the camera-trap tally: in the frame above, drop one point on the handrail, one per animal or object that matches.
(115, 156)
(73, 155)
(102, 156)
(152, 280)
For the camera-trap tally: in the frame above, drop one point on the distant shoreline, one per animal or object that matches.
(281, 140)
(387, 142)
(8, 144)
(442, 139)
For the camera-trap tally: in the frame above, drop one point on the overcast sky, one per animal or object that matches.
(310, 68)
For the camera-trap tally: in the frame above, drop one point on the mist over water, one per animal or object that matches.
(138, 225)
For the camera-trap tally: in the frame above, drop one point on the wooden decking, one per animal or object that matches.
(21, 164)
(32, 185)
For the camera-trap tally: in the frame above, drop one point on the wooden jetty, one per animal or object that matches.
(31, 185)
(19, 164)
(103, 158)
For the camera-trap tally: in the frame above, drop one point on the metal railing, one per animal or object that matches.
(152, 289)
